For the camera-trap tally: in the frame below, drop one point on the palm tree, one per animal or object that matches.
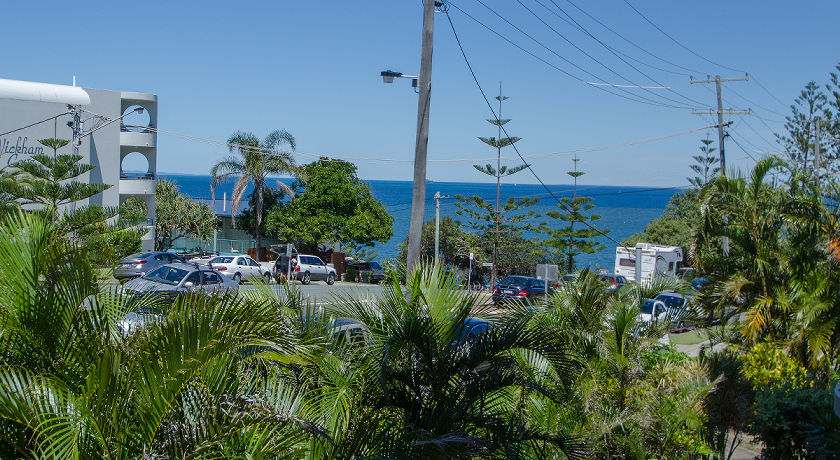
(748, 210)
(255, 162)
(453, 394)
(189, 384)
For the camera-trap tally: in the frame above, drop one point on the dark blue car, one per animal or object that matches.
(521, 288)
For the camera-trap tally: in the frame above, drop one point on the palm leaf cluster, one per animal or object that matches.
(634, 397)
(782, 273)
(262, 374)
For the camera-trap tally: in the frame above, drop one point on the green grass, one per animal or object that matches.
(689, 338)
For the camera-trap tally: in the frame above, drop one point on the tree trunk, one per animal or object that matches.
(258, 217)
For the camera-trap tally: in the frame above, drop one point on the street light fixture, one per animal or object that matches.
(388, 76)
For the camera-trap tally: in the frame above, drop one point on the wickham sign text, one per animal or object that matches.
(11, 151)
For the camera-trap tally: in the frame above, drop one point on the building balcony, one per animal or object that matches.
(143, 184)
(138, 139)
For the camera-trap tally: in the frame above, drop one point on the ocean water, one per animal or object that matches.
(624, 210)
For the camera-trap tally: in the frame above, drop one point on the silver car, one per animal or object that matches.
(172, 280)
(137, 265)
(240, 268)
(310, 268)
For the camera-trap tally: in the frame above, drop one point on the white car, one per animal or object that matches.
(310, 268)
(240, 268)
(667, 306)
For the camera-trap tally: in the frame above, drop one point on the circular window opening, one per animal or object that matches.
(136, 119)
(135, 166)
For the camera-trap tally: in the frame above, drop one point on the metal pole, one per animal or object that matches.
(437, 226)
(418, 198)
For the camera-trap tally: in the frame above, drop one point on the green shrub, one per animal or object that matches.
(793, 422)
(350, 274)
(366, 276)
(654, 356)
(767, 365)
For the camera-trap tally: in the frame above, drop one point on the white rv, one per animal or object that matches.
(655, 259)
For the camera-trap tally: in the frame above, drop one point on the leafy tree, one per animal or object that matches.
(497, 172)
(247, 218)
(502, 234)
(798, 140)
(453, 395)
(566, 241)
(177, 216)
(454, 243)
(331, 205)
(50, 183)
(705, 164)
(73, 386)
(753, 207)
(255, 162)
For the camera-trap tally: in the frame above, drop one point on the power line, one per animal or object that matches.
(676, 41)
(495, 116)
(584, 30)
(768, 91)
(754, 103)
(629, 96)
(33, 124)
(398, 160)
(637, 46)
(610, 69)
(757, 133)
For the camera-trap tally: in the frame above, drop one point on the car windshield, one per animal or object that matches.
(375, 266)
(221, 260)
(516, 281)
(166, 275)
(670, 301)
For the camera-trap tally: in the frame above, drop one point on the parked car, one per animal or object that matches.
(377, 273)
(169, 281)
(310, 268)
(137, 265)
(612, 280)
(337, 328)
(523, 288)
(698, 283)
(240, 268)
(138, 319)
(671, 306)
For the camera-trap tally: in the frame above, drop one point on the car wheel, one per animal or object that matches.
(330, 279)
(306, 278)
(237, 278)
(267, 278)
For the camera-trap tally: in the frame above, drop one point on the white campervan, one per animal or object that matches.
(655, 259)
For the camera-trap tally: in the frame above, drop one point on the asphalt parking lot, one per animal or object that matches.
(320, 293)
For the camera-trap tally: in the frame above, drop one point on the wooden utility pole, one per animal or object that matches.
(418, 198)
(720, 125)
(720, 112)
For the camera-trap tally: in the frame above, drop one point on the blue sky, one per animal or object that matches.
(313, 68)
